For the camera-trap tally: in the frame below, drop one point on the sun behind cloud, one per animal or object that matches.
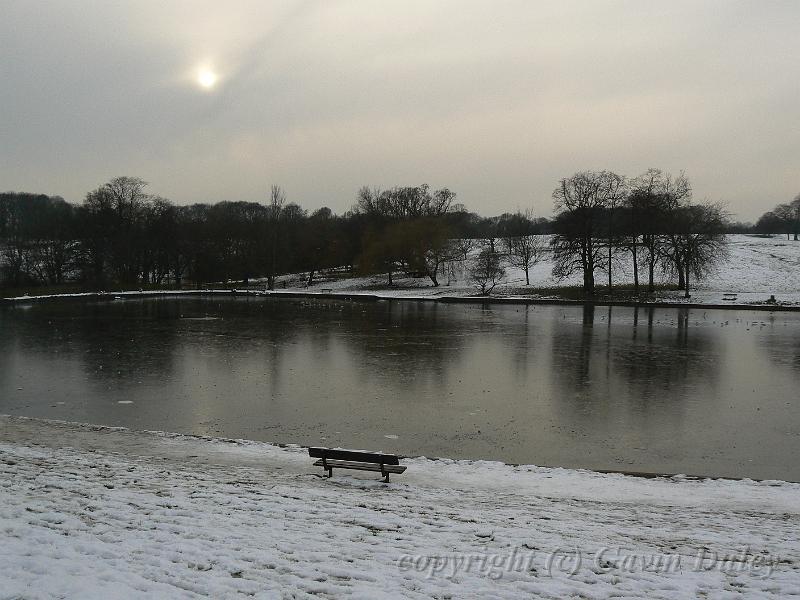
(206, 78)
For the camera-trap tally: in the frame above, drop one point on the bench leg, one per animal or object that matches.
(386, 479)
(330, 472)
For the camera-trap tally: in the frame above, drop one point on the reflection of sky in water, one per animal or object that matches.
(674, 390)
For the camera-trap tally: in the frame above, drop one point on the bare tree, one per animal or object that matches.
(486, 271)
(581, 201)
(784, 218)
(382, 251)
(793, 216)
(783, 215)
(37, 238)
(423, 244)
(277, 198)
(795, 204)
(441, 202)
(317, 241)
(117, 211)
(696, 241)
(464, 246)
(524, 252)
(653, 196)
(612, 233)
(368, 201)
(409, 202)
(436, 258)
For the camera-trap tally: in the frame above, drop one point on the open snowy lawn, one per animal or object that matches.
(756, 268)
(89, 512)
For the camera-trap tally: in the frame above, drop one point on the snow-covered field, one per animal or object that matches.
(757, 267)
(90, 512)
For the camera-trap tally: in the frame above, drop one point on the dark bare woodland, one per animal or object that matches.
(122, 235)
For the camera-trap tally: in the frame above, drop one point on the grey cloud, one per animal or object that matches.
(494, 100)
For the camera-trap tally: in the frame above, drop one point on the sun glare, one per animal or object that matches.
(206, 78)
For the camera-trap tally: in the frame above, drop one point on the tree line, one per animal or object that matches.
(123, 235)
(784, 218)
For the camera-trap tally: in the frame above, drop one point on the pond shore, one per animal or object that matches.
(95, 511)
(396, 295)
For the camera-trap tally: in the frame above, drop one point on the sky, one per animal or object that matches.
(496, 100)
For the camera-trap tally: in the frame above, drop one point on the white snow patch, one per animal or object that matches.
(111, 513)
(757, 267)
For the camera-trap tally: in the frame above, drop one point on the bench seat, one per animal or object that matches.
(338, 458)
(361, 466)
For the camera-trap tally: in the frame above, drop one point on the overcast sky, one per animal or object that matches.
(495, 100)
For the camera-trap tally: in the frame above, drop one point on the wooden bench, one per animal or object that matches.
(330, 459)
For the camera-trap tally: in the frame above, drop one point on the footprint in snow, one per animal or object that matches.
(391, 436)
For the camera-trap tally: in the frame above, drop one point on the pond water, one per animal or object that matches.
(694, 391)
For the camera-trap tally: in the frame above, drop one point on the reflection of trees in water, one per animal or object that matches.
(572, 352)
(243, 333)
(123, 341)
(400, 341)
(408, 342)
(781, 346)
(519, 335)
(671, 358)
(649, 362)
(403, 343)
(8, 341)
(116, 341)
(112, 341)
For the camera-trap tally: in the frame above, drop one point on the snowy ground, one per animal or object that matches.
(757, 268)
(91, 512)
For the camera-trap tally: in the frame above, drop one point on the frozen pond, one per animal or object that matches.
(663, 390)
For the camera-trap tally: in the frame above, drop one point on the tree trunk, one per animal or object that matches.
(588, 282)
(527, 276)
(434, 276)
(609, 267)
(635, 270)
(274, 262)
(310, 277)
(686, 294)
(587, 262)
(681, 274)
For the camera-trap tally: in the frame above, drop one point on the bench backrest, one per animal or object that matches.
(354, 455)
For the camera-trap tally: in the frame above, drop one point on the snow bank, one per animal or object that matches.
(95, 512)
